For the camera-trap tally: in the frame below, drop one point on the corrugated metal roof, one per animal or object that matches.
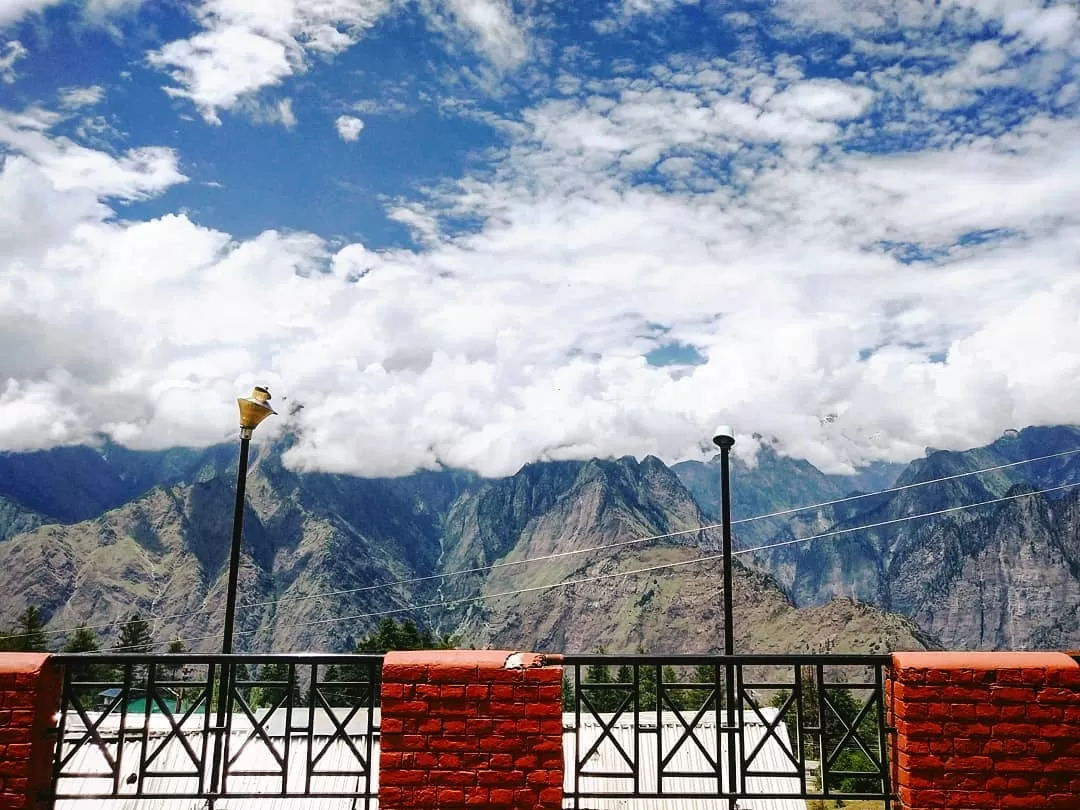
(256, 756)
(687, 758)
(339, 757)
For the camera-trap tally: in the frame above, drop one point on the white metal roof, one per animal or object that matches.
(339, 757)
(256, 756)
(687, 758)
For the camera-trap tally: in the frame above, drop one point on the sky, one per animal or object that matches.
(478, 233)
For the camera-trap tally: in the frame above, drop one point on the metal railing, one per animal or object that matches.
(211, 726)
(717, 727)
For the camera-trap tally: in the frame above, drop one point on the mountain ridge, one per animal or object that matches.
(318, 547)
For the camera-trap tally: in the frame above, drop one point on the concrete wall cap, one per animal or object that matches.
(494, 659)
(983, 661)
(23, 663)
(523, 660)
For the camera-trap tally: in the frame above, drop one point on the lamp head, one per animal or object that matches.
(724, 437)
(253, 410)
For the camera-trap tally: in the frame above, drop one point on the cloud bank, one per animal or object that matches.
(918, 295)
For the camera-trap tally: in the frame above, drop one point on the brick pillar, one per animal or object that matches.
(983, 731)
(30, 688)
(477, 728)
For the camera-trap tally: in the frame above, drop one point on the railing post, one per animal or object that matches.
(30, 695)
(470, 728)
(734, 735)
(986, 730)
(216, 676)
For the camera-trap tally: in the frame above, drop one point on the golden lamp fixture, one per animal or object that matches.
(253, 410)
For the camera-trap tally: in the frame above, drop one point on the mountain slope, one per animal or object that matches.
(15, 519)
(997, 576)
(166, 554)
(675, 608)
(326, 556)
(71, 484)
(773, 483)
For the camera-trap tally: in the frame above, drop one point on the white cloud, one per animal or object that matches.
(1054, 27)
(285, 112)
(711, 198)
(348, 127)
(491, 25)
(10, 53)
(137, 174)
(98, 9)
(75, 97)
(628, 11)
(1045, 24)
(215, 68)
(824, 100)
(11, 11)
(245, 47)
(276, 112)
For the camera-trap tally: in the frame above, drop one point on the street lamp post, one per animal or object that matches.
(253, 410)
(725, 440)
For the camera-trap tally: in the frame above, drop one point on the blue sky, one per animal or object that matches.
(482, 232)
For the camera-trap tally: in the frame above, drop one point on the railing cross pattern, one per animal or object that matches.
(340, 732)
(851, 732)
(771, 730)
(606, 731)
(688, 732)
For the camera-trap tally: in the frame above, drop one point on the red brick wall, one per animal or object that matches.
(983, 731)
(464, 729)
(29, 698)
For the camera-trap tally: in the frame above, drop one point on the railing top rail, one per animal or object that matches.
(218, 658)
(754, 659)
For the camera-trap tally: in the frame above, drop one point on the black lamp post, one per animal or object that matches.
(253, 410)
(725, 440)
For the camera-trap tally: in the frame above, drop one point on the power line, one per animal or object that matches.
(903, 487)
(893, 521)
(587, 550)
(649, 538)
(646, 570)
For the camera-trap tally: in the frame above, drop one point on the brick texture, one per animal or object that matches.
(29, 700)
(461, 729)
(983, 731)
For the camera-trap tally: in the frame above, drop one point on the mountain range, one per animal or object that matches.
(92, 535)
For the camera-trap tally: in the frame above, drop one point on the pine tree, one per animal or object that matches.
(390, 635)
(172, 671)
(29, 635)
(646, 683)
(83, 640)
(269, 695)
(604, 699)
(567, 693)
(135, 635)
